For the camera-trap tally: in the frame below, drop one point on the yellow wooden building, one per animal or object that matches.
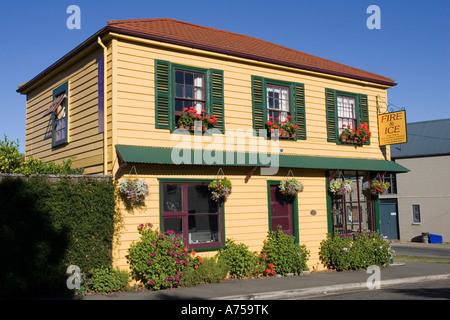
(113, 103)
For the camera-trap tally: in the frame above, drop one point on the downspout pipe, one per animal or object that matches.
(105, 108)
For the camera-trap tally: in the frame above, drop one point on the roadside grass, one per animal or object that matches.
(404, 258)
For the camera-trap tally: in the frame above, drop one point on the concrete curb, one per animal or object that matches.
(298, 293)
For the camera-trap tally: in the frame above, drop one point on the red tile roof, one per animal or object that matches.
(192, 35)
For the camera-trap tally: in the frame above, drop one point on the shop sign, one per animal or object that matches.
(392, 128)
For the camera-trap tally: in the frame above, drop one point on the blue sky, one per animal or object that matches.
(412, 46)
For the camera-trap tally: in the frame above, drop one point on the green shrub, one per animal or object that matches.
(46, 226)
(240, 260)
(106, 280)
(12, 161)
(159, 260)
(354, 253)
(211, 270)
(281, 255)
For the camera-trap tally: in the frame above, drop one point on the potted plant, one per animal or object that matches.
(286, 129)
(378, 187)
(185, 121)
(193, 121)
(341, 187)
(290, 186)
(220, 188)
(133, 191)
(357, 136)
(289, 127)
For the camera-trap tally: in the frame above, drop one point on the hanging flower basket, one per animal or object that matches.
(378, 187)
(220, 188)
(341, 187)
(133, 191)
(290, 186)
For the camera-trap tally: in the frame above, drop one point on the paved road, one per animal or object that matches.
(432, 290)
(422, 250)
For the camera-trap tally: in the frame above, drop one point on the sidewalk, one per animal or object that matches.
(284, 288)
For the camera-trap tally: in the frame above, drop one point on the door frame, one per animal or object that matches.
(295, 227)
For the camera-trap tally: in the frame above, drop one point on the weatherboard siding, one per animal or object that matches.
(246, 214)
(85, 144)
(135, 97)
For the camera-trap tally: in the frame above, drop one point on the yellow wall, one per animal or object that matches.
(131, 120)
(135, 99)
(246, 215)
(85, 143)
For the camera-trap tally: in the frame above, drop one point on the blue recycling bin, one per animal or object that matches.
(435, 238)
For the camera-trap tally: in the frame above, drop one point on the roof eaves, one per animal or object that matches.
(243, 55)
(25, 86)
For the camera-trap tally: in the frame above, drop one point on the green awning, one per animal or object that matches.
(156, 155)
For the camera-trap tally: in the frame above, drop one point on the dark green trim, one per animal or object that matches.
(157, 155)
(329, 204)
(296, 103)
(295, 225)
(184, 180)
(362, 113)
(165, 98)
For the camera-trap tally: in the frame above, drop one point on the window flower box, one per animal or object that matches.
(192, 121)
(286, 129)
(356, 136)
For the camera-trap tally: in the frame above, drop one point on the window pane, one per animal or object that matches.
(172, 198)
(179, 91)
(352, 211)
(270, 103)
(199, 200)
(416, 213)
(174, 224)
(189, 92)
(189, 78)
(367, 223)
(198, 93)
(198, 80)
(179, 104)
(203, 228)
(337, 211)
(179, 77)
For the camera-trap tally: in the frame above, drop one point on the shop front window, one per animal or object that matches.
(354, 212)
(188, 210)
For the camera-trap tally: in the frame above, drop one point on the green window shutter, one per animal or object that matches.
(331, 112)
(299, 112)
(363, 104)
(163, 110)
(258, 103)
(217, 98)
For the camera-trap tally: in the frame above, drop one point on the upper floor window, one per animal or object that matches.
(59, 115)
(346, 107)
(180, 87)
(278, 104)
(189, 91)
(272, 99)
